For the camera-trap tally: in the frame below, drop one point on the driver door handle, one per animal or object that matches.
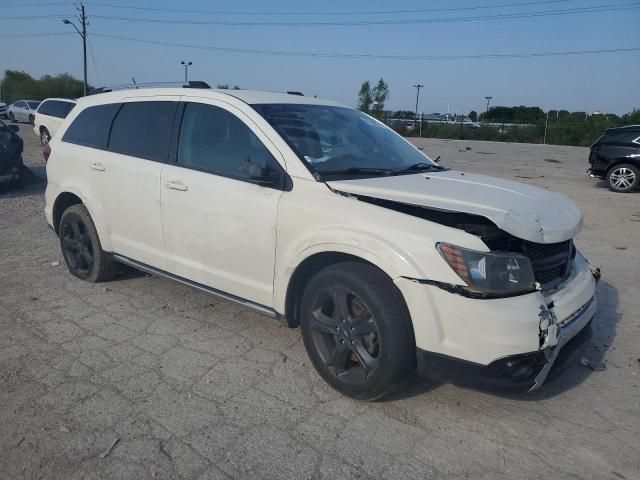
(176, 185)
(97, 166)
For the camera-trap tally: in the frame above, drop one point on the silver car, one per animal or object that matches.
(23, 110)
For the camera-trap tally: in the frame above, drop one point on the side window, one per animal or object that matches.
(143, 129)
(65, 108)
(216, 141)
(21, 105)
(91, 127)
(46, 108)
(620, 137)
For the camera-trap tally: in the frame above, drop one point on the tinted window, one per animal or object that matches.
(91, 127)
(143, 129)
(216, 141)
(621, 137)
(20, 104)
(55, 108)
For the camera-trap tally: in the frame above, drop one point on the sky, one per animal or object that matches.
(606, 82)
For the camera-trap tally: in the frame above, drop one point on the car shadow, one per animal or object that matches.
(33, 182)
(573, 374)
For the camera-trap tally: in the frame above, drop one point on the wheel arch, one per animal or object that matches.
(620, 160)
(306, 269)
(71, 196)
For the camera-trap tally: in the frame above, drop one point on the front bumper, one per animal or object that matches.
(515, 373)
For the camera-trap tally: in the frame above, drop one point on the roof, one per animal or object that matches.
(247, 96)
(630, 127)
(70, 100)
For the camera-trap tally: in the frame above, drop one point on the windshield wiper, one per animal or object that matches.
(420, 166)
(357, 171)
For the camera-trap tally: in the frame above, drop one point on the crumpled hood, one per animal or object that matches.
(527, 212)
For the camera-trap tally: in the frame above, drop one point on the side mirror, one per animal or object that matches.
(260, 175)
(14, 128)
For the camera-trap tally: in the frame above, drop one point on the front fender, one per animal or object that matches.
(313, 220)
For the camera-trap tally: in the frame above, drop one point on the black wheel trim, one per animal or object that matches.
(76, 246)
(348, 344)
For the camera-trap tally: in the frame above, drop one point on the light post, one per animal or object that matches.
(417, 87)
(83, 35)
(186, 70)
(488, 99)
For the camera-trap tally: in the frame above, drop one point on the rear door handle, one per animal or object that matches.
(176, 185)
(97, 166)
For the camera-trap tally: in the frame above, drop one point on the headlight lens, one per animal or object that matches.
(488, 272)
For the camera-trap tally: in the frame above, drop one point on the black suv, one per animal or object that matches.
(615, 156)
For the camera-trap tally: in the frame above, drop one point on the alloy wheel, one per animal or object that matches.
(345, 334)
(76, 246)
(622, 178)
(44, 137)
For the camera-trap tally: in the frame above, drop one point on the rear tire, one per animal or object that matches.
(81, 246)
(12, 117)
(44, 136)
(623, 177)
(357, 330)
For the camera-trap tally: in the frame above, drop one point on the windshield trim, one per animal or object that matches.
(318, 175)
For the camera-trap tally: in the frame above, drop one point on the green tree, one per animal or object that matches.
(365, 97)
(20, 85)
(473, 116)
(380, 95)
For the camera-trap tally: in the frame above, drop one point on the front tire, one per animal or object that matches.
(81, 246)
(623, 178)
(32, 119)
(12, 117)
(357, 330)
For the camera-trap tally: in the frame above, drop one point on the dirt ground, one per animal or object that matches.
(195, 387)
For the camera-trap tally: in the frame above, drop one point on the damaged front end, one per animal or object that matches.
(560, 278)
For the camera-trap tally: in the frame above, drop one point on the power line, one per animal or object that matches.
(507, 16)
(42, 34)
(352, 12)
(370, 56)
(36, 4)
(31, 17)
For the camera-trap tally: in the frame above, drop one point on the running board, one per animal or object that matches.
(198, 286)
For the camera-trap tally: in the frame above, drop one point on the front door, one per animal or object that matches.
(220, 201)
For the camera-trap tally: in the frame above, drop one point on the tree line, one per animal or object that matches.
(500, 123)
(18, 85)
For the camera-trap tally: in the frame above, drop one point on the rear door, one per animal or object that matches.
(220, 201)
(128, 175)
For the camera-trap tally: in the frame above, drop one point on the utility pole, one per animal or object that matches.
(546, 124)
(186, 70)
(488, 99)
(83, 35)
(417, 87)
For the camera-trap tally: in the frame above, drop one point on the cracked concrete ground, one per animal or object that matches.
(195, 387)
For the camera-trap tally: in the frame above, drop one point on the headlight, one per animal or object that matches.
(490, 273)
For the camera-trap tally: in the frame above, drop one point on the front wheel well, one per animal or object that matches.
(64, 201)
(301, 276)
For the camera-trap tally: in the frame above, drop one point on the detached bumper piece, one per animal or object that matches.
(515, 373)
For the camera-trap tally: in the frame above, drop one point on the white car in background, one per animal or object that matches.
(319, 215)
(23, 111)
(49, 116)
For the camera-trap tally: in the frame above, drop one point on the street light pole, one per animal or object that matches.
(488, 99)
(83, 35)
(186, 69)
(417, 87)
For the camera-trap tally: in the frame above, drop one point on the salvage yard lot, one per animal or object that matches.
(195, 387)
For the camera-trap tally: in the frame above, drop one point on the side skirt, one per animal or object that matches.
(269, 312)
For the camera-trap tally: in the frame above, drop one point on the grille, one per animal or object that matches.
(551, 262)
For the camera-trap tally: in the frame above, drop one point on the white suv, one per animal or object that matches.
(319, 215)
(49, 117)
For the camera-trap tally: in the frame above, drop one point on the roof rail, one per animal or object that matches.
(134, 86)
(300, 94)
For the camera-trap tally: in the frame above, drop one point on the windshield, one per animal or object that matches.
(337, 140)
(33, 105)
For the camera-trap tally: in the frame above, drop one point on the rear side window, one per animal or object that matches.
(216, 141)
(91, 127)
(55, 108)
(143, 129)
(620, 137)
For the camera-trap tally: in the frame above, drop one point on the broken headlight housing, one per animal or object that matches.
(490, 273)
